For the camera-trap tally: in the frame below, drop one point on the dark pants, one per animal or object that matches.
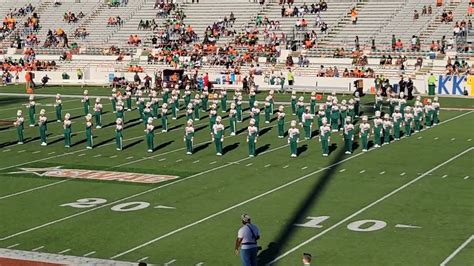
(249, 256)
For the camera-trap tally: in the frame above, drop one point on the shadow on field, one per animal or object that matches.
(104, 142)
(82, 141)
(230, 148)
(201, 147)
(132, 144)
(5, 128)
(200, 128)
(302, 149)
(175, 127)
(278, 245)
(264, 131)
(262, 149)
(128, 125)
(6, 144)
(162, 145)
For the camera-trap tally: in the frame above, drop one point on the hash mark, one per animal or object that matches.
(420, 137)
(361, 172)
(14, 245)
(286, 166)
(444, 176)
(200, 263)
(128, 158)
(53, 152)
(342, 170)
(21, 151)
(213, 162)
(306, 167)
(249, 164)
(98, 155)
(113, 156)
(6, 150)
(436, 138)
(466, 177)
(469, 139)
(142, 259)
(196, 161)
(88, 254)
(383, 172)
(402, 174)
(162, 159)
(169, 262)
(64, 251)
(268, 165)
(35, 152)
(453, 139)
(80, 155)
(38, 248)
(179, 160)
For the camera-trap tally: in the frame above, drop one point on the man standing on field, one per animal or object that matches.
(246, 242)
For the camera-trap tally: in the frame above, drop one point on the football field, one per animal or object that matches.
(407, 203)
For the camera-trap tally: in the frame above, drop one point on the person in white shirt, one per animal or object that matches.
(246, 242)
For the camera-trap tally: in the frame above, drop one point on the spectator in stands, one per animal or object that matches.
(399, 45)
(57, 2)
(354, 15)
(419, 62)
(430, 10)
(423, 11)
(394, 42)
(45, 80)
(416, 15)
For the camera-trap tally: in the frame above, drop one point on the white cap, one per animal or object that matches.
(150, 120)
(245, 218)
(97, 100)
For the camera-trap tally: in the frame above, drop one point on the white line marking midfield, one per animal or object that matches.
(452, 255)
(369, 206)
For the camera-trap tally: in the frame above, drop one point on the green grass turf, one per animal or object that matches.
(208, 202)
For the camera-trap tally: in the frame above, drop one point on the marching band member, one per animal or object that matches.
(321, 114)
(140, 105)
(402, 103)
(335, 115)
(19, 124)
(187, 96)
(348, 135)
(428, 113)
(351, 109)
(252, 137)
(118, 134)
(128, 98)
(113, 99)
(300, 108)
(223, 96)
(397, 119)
(325, 136)
(218, 135)
(238, 108)
(418, 115)
(120, 109)
(197, 106)
(307, 119)
(67, 125)
(268, 110)
(85, 102)
(356, 105)
(165, 94)
(378, 101)
(212, 116)
(98, 113)
(31, 106)
(387, 127)
(312, 103)
(150, 134)
(408, 120)
(205, 100)
(43, 127)
(281, 122)
(89, 137)
(252, 97)
(436, 107)
(174, 105)
(256, 114)
(343, 113)
(233, 119)
(189, 111)
(58, 106)
(378, 129)
(293, 138)
(271, 100)
(293, 102)
(328, 107)
(155, 104)
(392, 102)
(147, 113)
(164, 117)
(364, 133)
(189, 137)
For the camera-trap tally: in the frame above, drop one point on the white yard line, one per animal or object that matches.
(370, 206)
(14, 245)
(452, 255)
(64, 251)
(38, 248)
(142, 259)
(170, 262)
(7, 150)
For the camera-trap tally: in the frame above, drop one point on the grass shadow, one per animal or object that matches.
(132, 144)
(162, 145)
(230, 147)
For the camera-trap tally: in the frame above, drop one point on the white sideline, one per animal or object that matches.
(452, 255)
(133, 196)
(369, 206)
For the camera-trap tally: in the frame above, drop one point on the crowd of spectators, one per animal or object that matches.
(115, 21)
